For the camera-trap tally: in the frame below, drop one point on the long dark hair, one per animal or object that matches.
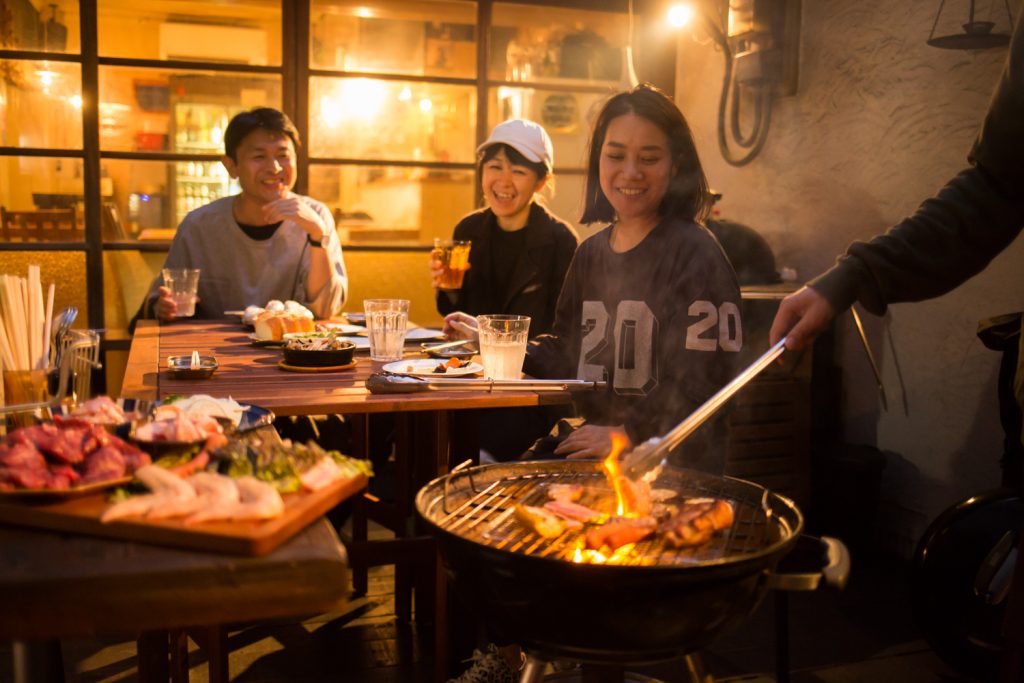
(688, 196)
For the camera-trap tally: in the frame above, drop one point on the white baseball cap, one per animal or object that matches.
(526, 137)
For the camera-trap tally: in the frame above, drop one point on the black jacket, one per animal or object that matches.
(536, 280)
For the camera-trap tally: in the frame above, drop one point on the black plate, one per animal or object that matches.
(320, 358)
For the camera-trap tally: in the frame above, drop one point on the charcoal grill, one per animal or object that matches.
(651, 604)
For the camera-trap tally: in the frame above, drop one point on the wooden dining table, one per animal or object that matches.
(435, 430)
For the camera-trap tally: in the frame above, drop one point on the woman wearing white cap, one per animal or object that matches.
(518, 259)
(520, 251)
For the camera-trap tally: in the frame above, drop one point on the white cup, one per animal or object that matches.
(183, 283)
(503, 344)
(386, 322)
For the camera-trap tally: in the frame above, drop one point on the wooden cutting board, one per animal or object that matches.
(82, 515)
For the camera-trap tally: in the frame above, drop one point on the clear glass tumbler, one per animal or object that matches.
(503, 344)
(183, 283)
(386, 322)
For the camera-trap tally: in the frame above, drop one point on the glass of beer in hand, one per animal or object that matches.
(454, 256)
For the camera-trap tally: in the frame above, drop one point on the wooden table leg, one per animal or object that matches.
(38, 661)
(458, 440)
(217, 654)
(179, 656)
(153, 649)
(360, 530)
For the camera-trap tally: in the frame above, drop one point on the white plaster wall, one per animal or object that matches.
(881, 120)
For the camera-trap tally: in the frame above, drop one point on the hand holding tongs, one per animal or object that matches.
(396, 383)
(653, 452)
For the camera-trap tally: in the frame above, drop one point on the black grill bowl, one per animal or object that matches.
(609, 613)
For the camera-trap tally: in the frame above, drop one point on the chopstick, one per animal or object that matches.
(447, 345)
(25, 321)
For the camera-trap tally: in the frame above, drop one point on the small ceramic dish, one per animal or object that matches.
(464, 352)
(180, 367)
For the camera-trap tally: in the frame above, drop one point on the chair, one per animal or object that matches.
(42, 225)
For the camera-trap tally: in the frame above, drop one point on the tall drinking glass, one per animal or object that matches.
(454, 254)
(503, 344)
(386, 321)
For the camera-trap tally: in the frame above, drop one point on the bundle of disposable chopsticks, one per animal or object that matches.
(25, 321)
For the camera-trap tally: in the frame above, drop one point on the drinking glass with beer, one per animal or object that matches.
(453, 255)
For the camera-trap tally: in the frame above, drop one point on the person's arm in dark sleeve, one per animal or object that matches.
(955, 234)
(950, 238)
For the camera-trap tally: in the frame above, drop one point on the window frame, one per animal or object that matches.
(295, 73)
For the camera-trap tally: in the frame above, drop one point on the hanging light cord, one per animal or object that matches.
(754, 142)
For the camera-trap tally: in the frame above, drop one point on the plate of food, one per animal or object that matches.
(413, 334)
(426, 367)
(318, 352)
(241, 416)
(340, 328)
(463, 351)
(65, 458)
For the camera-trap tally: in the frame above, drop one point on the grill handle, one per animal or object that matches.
(812, 563)
(653, 452)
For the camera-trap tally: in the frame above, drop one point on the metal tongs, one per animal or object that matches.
(397, 383)
(651, 454)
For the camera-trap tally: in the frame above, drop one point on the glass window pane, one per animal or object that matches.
(556, 44)
(159, 110)
(146, 200)
(380, 204)
(388, 36)
(236, 32)
(364, 118)
(65, 269)
(53, 27)
(126, 279)
(567, 202)
(41, 199)
(566, 116)
(40, 104)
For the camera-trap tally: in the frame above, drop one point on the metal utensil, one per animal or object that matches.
(871, 357)
(64, 322)
(447, 345)
(395, 383)
(653, 452)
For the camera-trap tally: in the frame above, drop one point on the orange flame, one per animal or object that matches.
(614, 474)
(621, 555)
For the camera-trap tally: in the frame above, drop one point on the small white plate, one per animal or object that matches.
(414, 334)
(424, 367)
(343, 328)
